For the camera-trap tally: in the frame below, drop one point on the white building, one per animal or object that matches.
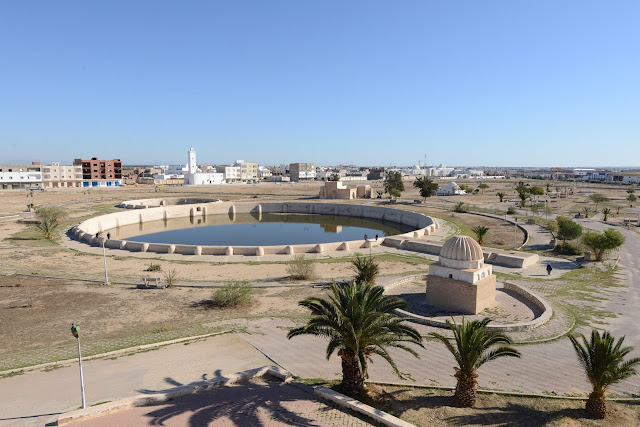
(193, 175)
(20, 176)
(264, 172)
(231, 173)
(451, 189)
(441, 170)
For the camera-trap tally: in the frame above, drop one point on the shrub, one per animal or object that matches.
(171, 277)
(366, 270)
(235, 293)
(511, 210)
(567, 249)
(301, 268)
(154, 267)
(460, 207)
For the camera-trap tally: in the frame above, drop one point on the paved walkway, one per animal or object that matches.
(258, 402)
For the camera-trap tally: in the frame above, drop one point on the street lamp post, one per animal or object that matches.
(75, 331)
(104, 256)
(515, 232)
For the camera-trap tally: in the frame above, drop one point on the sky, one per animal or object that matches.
(493, 83)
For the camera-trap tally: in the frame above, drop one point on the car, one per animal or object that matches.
(36, 187)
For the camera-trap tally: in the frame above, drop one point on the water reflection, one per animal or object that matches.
(255, 229)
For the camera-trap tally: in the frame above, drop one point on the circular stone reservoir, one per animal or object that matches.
(254, 228)
(268, 229)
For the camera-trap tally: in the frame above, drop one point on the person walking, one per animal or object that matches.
(549, 269)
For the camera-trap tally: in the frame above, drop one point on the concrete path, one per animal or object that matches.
(251, 403)
(36, 398)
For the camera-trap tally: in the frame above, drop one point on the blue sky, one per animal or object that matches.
(520, 83)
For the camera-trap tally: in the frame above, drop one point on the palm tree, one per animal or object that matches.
(604, 364)
(606, 212)
(474, 346)
(366, 269)
(586, 211)
(358, 321)
(480, 231)
(501, 196)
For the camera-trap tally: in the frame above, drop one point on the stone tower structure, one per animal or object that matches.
(191, 163)
(460, 281)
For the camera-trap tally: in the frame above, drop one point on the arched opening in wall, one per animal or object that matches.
(450, 276)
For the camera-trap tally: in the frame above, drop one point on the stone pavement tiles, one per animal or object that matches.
(258, 402)
(547, 368)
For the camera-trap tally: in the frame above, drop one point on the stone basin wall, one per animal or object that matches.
(86, 231)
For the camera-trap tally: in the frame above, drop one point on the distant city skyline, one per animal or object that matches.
(506, 84)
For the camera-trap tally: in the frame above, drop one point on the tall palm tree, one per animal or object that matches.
(604, 364)
(473, 346)
(358, 320)
(480, 231)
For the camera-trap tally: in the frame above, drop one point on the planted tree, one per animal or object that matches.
(480, 231)
(603, 361)
(598, 198)
(567, 230)
(366, 269)
(536, 191)
(586, 211)
(523, 198)
(358, 320)
(393, 180)
(606, 212)
(483, 187)
(602, 243)
(473, 346)
(49, 220)
(631, 190)
(501, 196)
(395, 193)
(631, 198)
(425, 186)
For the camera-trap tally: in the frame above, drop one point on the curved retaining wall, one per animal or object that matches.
(165, 201)
(527, 294)
(87, 230)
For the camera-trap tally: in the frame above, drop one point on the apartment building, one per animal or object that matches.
(248, 170)
(231, 173)
(100, 173)
(302, 171)
(14, 177)
(56, 175)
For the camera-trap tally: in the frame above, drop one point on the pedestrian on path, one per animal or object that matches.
(549, 269)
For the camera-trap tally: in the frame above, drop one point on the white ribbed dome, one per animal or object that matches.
(461, 248)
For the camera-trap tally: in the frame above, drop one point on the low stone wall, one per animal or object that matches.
(547, 310)
(491, 256)
(166, 201)
(87, 230)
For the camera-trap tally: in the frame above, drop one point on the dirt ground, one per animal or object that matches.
(36, 313)
(430, 407)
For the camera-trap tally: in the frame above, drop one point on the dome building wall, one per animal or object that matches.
(460, 281)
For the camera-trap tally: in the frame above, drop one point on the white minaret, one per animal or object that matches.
(191, 165)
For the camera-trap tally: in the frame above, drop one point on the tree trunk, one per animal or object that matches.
(596, 405)
(352, 377)
(466, 388)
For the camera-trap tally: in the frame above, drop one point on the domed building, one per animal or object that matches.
(460, 281)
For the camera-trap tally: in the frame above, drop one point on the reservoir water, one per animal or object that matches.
(259, 230)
